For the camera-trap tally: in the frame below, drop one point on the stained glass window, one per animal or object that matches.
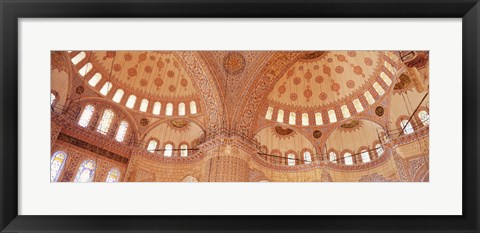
(152, 145)
(365, 156)
(131, 101)
(118, 96)
(407, 127)
(332, 116)
(105, 122)
(385, 78)
(181, 109)
(169, 109)
(168, 150)
(348, 158)
(305, 119)
(156, 108)
(122, 130)
(291, 159)
(358, 105)
(378, 88)
(333, 157)
(56, 165)
(345, 111)
(379, 149)
(106, 88)
(183, 150)
(318, 118)
(86, 171)
(95, 79)
(144, 105)
(193, 107)
(52, 98)
(113, 175)
(307, 157)
(85, 69)
(86, 116)
(292, 118)
(269, 113)
(280, 115)
(78, 58)
(424, 117)
(369, 97)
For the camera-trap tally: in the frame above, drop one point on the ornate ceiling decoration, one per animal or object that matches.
(326, 81)
(154, 75)
(234, 63)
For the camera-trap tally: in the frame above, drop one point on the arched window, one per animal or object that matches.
(156, 108)
(345, 111)
(292, 118)
(105, 122)
(379, 149)
(85, 69)
(56, 165)
(280, 116)
(78, 58)
(406, 126)
(348, 158)
(95, 79)
(118, 96)
(86, 116)
(305, 119)
(131, 101)
(152, 145)
(52, 98)
(365, 156)
(378, 88)
(307, 157)
(181, 109)
(389, 67)
(168, 150)
(184, 150)
(269, 113)
(193, 107)
(122, 130)
(369, 97)
(106, 88)
(169, 109)
(333, 157)
(291, 159)
(385, 78)
(358, 105)
(318, 118)
(86, 171)
(113, 175)
(331, 116)
(424, 117)
(144, 105)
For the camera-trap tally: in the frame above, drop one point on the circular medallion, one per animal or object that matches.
(143, 121)
(317, 134)
(79, 90)
(379, 111)
(234, 63)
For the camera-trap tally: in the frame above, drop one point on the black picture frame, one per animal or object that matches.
(11, 11)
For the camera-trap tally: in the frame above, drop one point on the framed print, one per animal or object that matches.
(225, 116)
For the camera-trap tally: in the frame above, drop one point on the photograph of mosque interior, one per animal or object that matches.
(239, 116)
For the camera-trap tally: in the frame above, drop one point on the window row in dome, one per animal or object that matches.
(332, 117)
(132, 99)
(85, 173)
(106, 121)
(406, 125)
(168, 149)
(348, 159)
